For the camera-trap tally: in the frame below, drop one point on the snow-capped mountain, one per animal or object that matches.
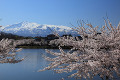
(34, 29)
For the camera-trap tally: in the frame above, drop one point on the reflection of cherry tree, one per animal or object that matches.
(98, 53)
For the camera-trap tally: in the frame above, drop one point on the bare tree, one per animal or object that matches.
(98, 53)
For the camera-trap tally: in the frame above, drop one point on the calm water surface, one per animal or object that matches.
(27, 69)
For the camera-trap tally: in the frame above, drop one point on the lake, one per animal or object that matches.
(27, 69)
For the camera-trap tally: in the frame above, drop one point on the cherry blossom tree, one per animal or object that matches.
(8, 51)
(98, 53)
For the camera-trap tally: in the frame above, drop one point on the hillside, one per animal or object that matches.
(34, 29)
(12, 36)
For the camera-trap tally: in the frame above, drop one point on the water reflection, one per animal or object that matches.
(27, 69)
(33, 59)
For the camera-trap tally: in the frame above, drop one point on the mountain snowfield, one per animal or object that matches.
(34, 29)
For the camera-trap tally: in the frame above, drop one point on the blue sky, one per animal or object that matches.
(59, 12)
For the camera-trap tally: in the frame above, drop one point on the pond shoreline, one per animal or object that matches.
(42, 47)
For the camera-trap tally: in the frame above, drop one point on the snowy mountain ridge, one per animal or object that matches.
(34, 29)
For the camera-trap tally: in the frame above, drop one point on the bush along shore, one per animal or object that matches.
(48, 42)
